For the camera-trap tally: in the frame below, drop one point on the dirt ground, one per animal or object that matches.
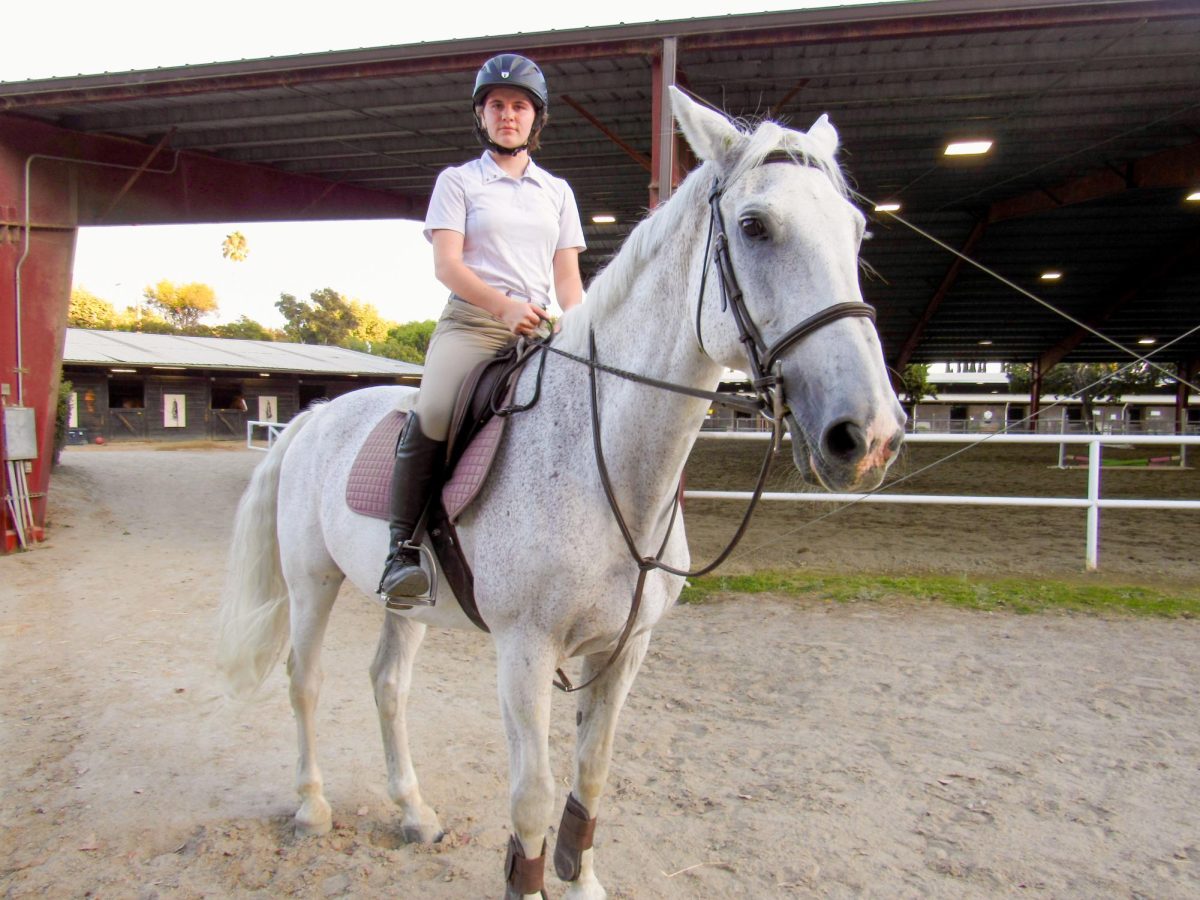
(771, 747)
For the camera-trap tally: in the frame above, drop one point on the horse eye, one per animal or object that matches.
(753, 227)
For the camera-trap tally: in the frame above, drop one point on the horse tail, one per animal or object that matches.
(253, 620)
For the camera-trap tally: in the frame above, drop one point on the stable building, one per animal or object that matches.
(127, 386)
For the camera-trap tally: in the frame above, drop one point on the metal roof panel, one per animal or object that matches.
(125, 348)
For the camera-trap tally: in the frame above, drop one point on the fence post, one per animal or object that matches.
(1093, 513)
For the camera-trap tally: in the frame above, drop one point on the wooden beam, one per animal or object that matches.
(640, 158)
(1174, 168)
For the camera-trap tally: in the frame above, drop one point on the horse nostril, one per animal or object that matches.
(845, 442)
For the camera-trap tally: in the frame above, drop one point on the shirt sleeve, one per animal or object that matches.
(447, 204)
(570, 231)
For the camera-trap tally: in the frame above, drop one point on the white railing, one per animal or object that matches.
(1093, 502)
(274, 429)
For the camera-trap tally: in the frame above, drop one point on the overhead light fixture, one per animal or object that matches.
(985, 343)
(1051, 275)
(125, 371)
(968, 148)
(1147, 341)
(170, 368)
(603, 219)
(1193, 197)
(264, 374)
(890, 206)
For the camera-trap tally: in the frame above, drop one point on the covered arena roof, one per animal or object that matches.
(1092, 106)
(126, 348)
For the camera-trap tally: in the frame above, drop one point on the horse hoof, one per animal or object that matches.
(313, 829)
(422, 834)
(314, 819)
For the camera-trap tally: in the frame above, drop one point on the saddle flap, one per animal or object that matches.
(473, 406)
(369, 487)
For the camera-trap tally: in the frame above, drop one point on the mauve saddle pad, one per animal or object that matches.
(368, 490)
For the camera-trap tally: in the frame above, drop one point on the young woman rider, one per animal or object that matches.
(503, 232)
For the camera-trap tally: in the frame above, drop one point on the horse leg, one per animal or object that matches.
(312, 600)
(525, 672)
(391, 674)
(598, 708)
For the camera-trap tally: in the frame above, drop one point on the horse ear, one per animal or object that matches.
(710, 134)
(825, 136)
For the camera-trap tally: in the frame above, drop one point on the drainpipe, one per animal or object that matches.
(29, 237)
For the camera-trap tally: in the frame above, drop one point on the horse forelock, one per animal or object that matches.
(674, 218)
(770, 138)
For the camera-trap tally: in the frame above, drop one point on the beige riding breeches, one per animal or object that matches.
(464, 337)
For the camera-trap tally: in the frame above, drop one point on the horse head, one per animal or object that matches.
(792, 239)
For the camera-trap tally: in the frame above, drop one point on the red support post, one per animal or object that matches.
(663, 169)
(38, 340)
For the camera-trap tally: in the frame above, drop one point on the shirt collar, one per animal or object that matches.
(492, 172)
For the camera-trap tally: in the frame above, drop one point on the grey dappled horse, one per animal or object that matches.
(553, 573)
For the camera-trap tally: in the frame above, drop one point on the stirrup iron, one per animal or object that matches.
(429, 598)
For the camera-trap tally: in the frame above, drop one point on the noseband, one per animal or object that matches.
(765, 367)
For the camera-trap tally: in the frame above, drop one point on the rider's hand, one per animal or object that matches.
(521, 317)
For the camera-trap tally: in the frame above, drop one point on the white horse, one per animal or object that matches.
(553, 573)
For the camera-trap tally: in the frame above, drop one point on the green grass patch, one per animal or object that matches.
(1010, 595)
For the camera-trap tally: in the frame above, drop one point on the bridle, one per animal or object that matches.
(765, 365)
(766, 378)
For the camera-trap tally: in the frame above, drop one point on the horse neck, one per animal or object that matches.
(650, 431)
(650, 327)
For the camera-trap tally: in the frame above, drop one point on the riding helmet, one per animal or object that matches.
(511, 70)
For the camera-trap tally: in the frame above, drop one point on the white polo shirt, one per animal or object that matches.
(511, 227)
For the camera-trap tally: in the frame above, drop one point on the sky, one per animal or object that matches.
(387, 264)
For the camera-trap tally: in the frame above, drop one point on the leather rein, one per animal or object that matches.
(766, 379)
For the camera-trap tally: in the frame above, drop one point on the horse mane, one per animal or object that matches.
(615, 281)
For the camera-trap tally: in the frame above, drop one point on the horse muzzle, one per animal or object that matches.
(847, 456)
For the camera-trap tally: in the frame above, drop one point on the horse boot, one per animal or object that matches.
(418, 464)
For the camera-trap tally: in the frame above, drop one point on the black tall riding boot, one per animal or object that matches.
(419, 461)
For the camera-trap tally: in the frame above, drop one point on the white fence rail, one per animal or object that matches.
(1093, 502)
(273, 430)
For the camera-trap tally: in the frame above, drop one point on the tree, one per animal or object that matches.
(245, 329)
(1089, 382)
(86, 310)
(915, 386)
(182, 305)
(328, 319)
(372, 328)
(134, 318)
(408, 342)
(235, 247)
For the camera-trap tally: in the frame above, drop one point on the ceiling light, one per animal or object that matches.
(1146, 342)
(1051, 275)
(170, 368)
(968, 148)
(124, 370)
(603, 219)
(1193, 197)
(888, 207)
(985, 343)
(264, 374)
